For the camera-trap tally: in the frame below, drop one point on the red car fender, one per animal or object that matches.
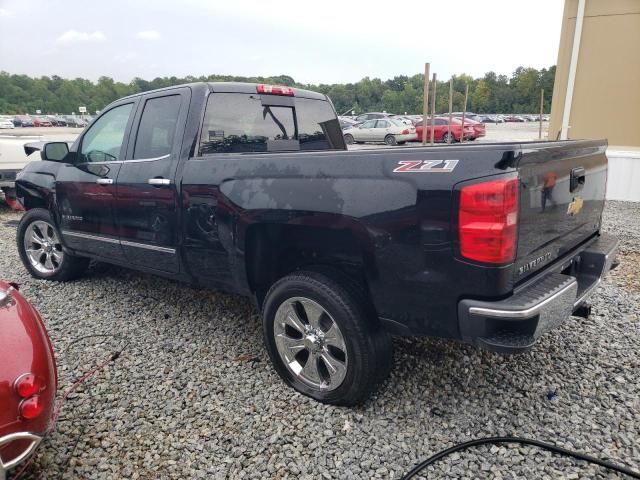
(25, 347)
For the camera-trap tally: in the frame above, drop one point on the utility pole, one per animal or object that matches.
(433, 106)
(464, 110)
(450, 110)
(425, 103)
(541, 112)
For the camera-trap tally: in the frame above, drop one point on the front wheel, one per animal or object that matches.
(323, 338)
(348, 139)
(41, 250)
(390, 140)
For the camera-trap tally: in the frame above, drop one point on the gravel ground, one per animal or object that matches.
(193, 394)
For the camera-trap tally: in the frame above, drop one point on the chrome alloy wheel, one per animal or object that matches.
(43, 247)
(310, 343)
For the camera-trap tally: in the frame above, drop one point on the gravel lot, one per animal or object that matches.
(194, 396)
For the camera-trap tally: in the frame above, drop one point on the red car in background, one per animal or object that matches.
(41, 122)
(441, 130)
(479, 128)
(28, 378)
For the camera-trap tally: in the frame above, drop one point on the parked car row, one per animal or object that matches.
(501, 118)
(44, 121)
(388, 127)
(398, 129)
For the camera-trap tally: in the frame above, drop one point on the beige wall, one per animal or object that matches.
(606, 97)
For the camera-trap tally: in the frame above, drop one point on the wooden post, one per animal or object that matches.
(450, 110)
(541, 112)
(464, 111)
(433, 106)
(425, 103)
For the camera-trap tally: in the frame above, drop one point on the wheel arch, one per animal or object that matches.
(275, 250)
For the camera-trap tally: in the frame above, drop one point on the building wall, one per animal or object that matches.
(606, 98)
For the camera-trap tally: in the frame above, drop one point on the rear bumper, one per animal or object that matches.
(29, 442)
(515, 323)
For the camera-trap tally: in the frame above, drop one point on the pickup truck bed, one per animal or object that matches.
(493, 244)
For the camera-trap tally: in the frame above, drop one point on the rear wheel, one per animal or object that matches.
(323, 338)
(390, 140)
(41, 250)
(449, 137)
(348, 139)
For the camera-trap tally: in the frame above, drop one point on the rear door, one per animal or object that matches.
(85, 190)
(561, 200)
(147, 196)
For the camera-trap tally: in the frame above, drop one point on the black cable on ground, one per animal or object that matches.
(523, 441)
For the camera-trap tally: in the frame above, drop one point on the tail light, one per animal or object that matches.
(27, 385)
(405, 131)
(488, 221)
(274, 90)
(31, 407)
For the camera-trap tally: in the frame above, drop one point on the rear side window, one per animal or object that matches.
(240, 122)
(157, 127)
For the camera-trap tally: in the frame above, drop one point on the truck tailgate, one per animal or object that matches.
(561, 200)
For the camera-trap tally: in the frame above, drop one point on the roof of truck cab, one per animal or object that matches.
(241, 87)
(231, 87)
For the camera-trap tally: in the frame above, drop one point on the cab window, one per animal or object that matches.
(157, 127)
(240, 122)
(103, 141)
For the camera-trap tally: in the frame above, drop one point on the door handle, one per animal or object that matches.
(577, 179)
(159, 181)
(104, 181)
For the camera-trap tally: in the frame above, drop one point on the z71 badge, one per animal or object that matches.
(426, 166)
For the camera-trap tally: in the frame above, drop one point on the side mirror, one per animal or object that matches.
(55, 151)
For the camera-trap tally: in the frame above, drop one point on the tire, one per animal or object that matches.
(445, 138)
(46, 260)
(360, 353)
(348, 139)
(390, 140)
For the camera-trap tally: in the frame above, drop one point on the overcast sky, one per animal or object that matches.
(324, 41)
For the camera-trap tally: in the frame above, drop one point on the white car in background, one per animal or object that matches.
(6, 123)
(387, 130)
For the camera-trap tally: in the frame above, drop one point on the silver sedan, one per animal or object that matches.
(387, 130)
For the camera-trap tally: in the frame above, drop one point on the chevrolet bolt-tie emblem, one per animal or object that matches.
(575, 206)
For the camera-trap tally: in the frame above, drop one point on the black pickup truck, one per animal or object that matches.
(250, 189)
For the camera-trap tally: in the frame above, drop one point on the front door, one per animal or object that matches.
(147, 196)
(85, 189)
(366, 131)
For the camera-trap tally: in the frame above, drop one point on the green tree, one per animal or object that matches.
(490, 94)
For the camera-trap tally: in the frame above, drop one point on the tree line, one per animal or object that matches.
(492, 93)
